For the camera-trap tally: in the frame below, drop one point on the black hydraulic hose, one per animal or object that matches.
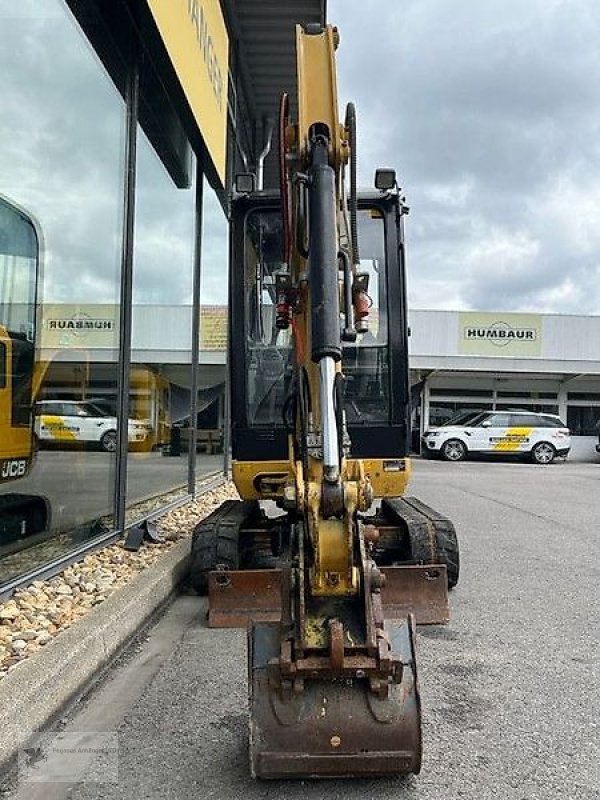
(290, 410)
(353, 203)
(284, 188)
(304, 408)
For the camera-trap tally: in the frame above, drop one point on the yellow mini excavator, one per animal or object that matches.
(323, 557)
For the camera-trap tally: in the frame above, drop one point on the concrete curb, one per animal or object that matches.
(32, 695)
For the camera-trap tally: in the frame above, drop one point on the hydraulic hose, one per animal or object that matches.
(284, 190)
(353, 203)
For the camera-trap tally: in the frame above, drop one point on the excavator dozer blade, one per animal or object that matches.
(333, 727)
(237, 597)
(420, 590)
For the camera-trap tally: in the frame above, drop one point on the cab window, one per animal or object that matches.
(19, 261)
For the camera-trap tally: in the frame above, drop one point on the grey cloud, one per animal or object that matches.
(490, 111)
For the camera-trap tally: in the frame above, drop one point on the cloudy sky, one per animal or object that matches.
(488, 109)
(62, 131)
(490, 112)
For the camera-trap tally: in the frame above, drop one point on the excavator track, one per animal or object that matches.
(22, 516)
(216, 541)
(414, 533)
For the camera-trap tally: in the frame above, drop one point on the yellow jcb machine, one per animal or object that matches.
(21, 514)
(323, 556)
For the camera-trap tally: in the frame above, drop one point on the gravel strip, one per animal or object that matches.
(34, 615)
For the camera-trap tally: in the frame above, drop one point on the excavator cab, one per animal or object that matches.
(375, 363)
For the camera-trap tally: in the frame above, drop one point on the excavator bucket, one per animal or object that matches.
(335, 726)
(238, 597)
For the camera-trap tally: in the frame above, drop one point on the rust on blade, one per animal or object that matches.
(235, 597)
(422, 590)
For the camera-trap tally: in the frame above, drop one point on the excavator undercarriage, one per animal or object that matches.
(324, 559)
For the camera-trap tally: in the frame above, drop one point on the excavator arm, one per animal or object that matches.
(331, 587)
(323, 681)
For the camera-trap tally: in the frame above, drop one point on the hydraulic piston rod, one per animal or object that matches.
(331, 456)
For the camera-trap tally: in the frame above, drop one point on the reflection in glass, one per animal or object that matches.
(61, 141)
(159, 397)
(21, 514)
(366, 362)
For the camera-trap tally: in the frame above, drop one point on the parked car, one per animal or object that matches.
(542, 437)
(69, 422)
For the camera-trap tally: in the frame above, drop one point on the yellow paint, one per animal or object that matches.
(386, 483)
(513, 440)
(317, 88)
(196, 39)
(56, 429)
(246, 476)
(15, 441)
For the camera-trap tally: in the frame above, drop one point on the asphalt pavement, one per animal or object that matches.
(510, 686)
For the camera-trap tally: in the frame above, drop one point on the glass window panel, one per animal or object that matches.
(61, 146)
(583, 420)
(160, 376)
(366, 362)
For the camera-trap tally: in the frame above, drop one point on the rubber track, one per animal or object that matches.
(215, 541)
(432, 536)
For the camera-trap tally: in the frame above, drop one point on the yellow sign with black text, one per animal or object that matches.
(196, 39)
(69, 326)
(489, 334)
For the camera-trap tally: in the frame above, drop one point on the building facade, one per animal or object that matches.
(494, 360)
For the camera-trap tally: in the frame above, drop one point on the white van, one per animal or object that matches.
(542, 437)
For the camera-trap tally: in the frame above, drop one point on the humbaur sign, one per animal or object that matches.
(500, 334)
(93, 325)
(80, 323)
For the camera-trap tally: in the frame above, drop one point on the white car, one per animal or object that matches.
(541, 437)
(69, 422)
